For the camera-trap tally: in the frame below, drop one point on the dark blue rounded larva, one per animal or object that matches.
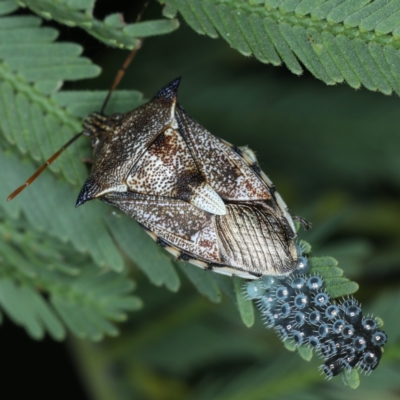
(314, 317)
(267, 302)
(299, 319)
(303, 265)
(321, 300)
(379, 338)
(338, 325)
(301, 335)
(369, 324)
(332, 367)
(348, 331)
(314, 283)
(350, 359)
(282, 293)
(285, 329)
(298, 337)
(255, 289)
(348, 303)
(301, 301)
(298, 283)
(331, 312)
(323, 330)
(285, 310)
(359, 343)
(269, 281)
(353, 314)
(328, 349)
(370, 358)
(314, 341)
(269, 319)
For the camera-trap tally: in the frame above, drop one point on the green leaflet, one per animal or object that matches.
(57, 216)
(353, 40)
(202, 281)
(245, 305)
(336, 285)
(351, 379)
(139, 247)
(30, 118)
(113, 31)
(290, 345)
(82, 103)
(7, 6)
(305, 352)
(85, 300)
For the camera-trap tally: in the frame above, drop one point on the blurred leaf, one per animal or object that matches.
(351, 379)
(84, 299)
(245, 305)
(7, 6)
(336, 285)
(202, 281)
(341, 288)
(151, 259)
(113, 31)
(305, 352)
(290, 345)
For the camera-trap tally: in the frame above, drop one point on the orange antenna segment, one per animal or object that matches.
(127, 62)
(17, 191)
(121, 73)
(117, 80)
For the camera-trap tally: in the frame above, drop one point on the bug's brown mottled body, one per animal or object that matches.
(205, 200)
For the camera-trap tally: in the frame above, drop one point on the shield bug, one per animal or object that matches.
(204, 200)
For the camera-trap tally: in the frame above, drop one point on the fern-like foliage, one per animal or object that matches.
(337, 41)
(36, 119)
(81, 297)
(112, 31)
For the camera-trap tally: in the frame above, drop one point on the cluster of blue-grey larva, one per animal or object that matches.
(299, 309)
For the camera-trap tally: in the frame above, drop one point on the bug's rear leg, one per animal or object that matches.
(305, 224)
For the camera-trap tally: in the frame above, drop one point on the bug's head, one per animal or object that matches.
(120, 140)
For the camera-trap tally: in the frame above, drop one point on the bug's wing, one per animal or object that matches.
(248, 238)
(252, 238)
(179, 223)
(222, 167)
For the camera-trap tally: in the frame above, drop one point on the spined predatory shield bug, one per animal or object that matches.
(205, 201)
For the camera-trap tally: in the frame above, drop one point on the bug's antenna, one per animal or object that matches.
(121, 73)
(128, 60)
(117, 80)
(43, 167)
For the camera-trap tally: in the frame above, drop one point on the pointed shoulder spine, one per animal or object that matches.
(169, 92)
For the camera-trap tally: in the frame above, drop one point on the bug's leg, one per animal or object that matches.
(184, 257)
(305, 224)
